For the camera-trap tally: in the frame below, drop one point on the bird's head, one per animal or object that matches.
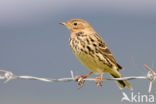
(76, 25)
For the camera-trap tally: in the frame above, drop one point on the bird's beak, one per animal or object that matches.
(65, 24)
(62, 23)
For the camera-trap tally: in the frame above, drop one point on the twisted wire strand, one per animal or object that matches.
(7, 76)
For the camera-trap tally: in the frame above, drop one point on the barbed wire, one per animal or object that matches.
(8, 76)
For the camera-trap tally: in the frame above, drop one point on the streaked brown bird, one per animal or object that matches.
(92, 52)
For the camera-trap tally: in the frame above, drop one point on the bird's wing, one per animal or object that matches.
(102, 47)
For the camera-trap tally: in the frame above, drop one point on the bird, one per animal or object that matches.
(91, 50)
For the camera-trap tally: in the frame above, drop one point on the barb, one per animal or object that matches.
(7, 76)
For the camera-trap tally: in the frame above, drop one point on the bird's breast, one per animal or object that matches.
(85, 52)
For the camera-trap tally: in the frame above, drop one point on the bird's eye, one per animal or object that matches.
(75, 24)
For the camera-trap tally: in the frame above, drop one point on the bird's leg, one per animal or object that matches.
(80, 80)
(99, 79)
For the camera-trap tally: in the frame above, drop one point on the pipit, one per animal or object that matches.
(92, 52)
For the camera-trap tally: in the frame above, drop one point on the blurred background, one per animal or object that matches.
(33, 43)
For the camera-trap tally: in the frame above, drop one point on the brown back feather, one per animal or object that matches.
(105, 51)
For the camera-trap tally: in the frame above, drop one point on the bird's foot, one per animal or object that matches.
(80, 80)
(98, 81)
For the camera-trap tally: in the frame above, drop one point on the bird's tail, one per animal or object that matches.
(121, 83)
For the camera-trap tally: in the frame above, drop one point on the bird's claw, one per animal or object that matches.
(80, 80)
(98, 81)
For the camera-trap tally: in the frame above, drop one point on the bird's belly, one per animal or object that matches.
(91, 63)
